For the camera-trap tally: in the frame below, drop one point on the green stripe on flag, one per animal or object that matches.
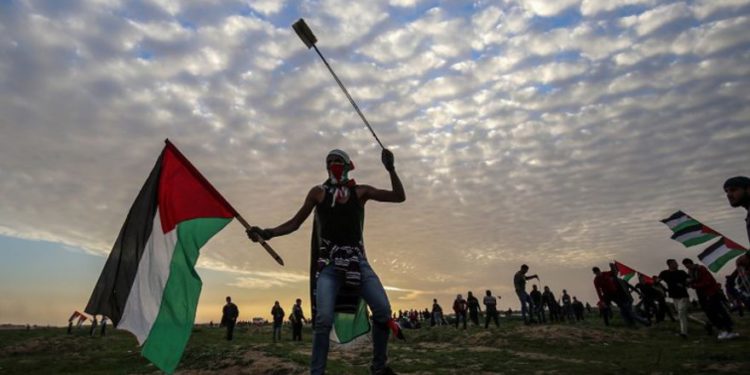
(698, 240)
(628, 276)
(170, 333)
(685, 224)
(348, 326)
(719, 262)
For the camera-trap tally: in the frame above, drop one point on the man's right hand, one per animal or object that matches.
(256, 234)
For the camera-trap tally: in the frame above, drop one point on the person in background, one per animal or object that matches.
(474, 308)
(459, 308)
(490, 309)
(519, 282)
(278, 320)
(297, 317)
(229, 315)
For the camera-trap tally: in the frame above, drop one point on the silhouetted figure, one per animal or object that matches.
(709, 297)
(104, 326)
(278, 320)
(567, 306)
(94, 324)
(519, 282)
(677, 281)
(538, 308)
(577, 309)
(474, 308)
(437, 313)
(229, 315)
(297, 317)
(548, 299)
(339, 261)
(490, 309)
(459, 308)
(610, 288)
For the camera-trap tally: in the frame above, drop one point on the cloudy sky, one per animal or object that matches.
(551, 133)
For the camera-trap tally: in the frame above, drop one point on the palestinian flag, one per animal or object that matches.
(678, 221)
(688, 231)
(626, 272)
(149, 285)
(721, 252)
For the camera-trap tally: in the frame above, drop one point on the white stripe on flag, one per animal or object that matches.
(690, 235)
(144, 301)
(675, 222)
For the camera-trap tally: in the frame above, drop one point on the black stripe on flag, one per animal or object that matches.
(693, 228)
(112, 290)
(674, 216)
(711, 249)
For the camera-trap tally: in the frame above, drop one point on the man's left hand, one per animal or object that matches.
(387, 158)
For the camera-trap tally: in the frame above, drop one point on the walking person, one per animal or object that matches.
(278, 315)
(474, 308)
(548, 299)
(710, 299)
(536, 299)
(297, 317)
(339, 258)
(610, 288)
(229, 315)
(490, 309)
(677, 282)
(519, 282)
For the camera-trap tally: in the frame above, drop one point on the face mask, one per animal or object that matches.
(337, 172)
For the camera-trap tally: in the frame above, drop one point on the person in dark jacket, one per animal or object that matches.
(297, 317)
(474, 308)
(278, 315)
(229, 315)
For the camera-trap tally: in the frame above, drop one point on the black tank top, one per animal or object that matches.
(342, 223)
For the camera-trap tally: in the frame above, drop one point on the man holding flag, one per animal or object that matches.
(340, 268)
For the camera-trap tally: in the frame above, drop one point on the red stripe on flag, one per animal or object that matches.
(185, 194)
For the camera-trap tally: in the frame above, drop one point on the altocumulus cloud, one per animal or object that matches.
(550, 133)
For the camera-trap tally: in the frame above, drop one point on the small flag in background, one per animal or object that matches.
(149, 285)
(721, 252)
(688, 231)
(628, 273)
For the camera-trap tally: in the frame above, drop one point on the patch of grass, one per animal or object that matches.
(512, 348)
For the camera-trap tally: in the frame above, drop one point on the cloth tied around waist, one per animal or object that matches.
(345, 260)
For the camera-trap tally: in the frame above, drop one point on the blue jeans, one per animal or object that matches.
(526, 304)
(374, 295)
(628, 315)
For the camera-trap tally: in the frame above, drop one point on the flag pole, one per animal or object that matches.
(218, 195)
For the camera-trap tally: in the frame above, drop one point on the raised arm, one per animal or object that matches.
(396, 194)
(314, 196)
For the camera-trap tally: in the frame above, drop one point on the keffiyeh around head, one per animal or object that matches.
(338, 176)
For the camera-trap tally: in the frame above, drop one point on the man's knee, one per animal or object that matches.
(323, 322)
(381, 314)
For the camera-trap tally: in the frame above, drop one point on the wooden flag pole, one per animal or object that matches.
(262, 242)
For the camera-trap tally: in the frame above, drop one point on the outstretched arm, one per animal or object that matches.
(315, 195)
(396, 194)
